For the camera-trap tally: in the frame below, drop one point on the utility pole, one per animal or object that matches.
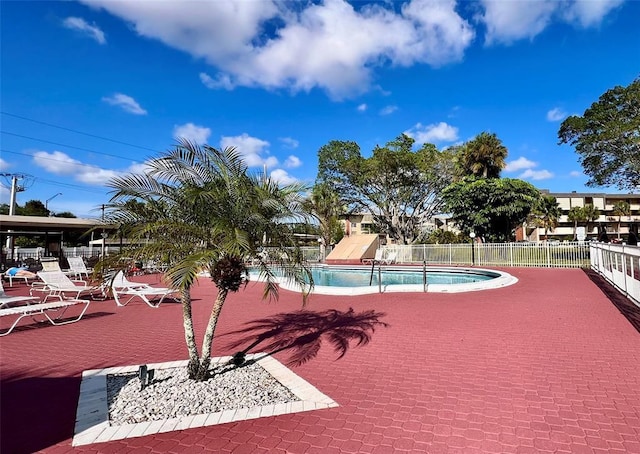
(12, 205)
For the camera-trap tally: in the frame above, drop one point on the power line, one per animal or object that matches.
(74, 162)
(76, 131)
(72, 186)
(68, 146)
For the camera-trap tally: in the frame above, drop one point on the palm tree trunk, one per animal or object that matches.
(205, 357)
(619, 223)
(189, 334)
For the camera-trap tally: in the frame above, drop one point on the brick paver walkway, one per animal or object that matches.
(546, 365)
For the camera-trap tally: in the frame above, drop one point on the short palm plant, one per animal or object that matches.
(198, 209)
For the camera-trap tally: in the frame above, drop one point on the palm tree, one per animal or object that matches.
(325, 205)
(546, 213)
(621, 208)
(576, 215)
(484, 156)
(591, 214)
(203, 211)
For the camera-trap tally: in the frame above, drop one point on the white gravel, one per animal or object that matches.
(172, 394)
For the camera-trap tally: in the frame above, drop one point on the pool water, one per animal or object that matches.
(361, 278)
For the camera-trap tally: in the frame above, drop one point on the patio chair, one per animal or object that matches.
(58, 284)
(389, 259)
(78, 268)
(122, 287)
(45, 309)
(50, 264)
(376, 259)
(19, 273)
(6, 300)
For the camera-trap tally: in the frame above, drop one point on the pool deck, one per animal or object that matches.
(549, 364)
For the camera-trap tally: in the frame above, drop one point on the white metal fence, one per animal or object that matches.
(620, 265)
(550, 254)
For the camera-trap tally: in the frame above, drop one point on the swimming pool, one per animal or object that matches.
(354, 280)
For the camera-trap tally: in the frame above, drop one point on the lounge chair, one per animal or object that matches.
(122, 287)
(78, 268)
(19, 273)
(376, 259)
(44, 308)
(50, 264)
(6, 300)
(58, 284)
(389, 259)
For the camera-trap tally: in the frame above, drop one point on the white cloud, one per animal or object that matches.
(4, 165)
(251, 149)
(362, 107)
(536, 174)
(289, 142)
(576, 173)
(282, 177)
(556, 114)
(509, 21)
(519, 164)
(222, 81)
(61, 164)
(193, 133)
(437, 132)
(328, 45)
(588, 13)
(127, 103)
(91, 30)
(292, 162)
(528, 166)
(388, 110)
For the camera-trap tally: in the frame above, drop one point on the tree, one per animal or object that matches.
(33, 208)
(399, 187)
(621, 208)
(200, 209)
(545, 214)
(607, 138)
(65, 214)
(325, 205)
(576, 215)
(483, 157)
(591, 214)
(490, 207)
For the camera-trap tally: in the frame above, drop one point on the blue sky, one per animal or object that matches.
(91, 89)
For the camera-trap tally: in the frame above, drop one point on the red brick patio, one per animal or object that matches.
(546, 365)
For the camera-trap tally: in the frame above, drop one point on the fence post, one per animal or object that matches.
(510, 254)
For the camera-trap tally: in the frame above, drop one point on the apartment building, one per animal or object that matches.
(607, 219)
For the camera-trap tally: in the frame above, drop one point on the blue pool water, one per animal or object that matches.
(351, 277)
(359, 278)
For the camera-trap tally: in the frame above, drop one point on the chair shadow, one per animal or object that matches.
(626, 307)
(45, 324)
(303, 332)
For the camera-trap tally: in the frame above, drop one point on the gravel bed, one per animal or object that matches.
(172, 394)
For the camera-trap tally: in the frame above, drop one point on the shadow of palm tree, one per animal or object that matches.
(304, 331)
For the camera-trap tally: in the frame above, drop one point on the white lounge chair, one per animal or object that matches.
(389, 259)
(14, 274)
(6, 300)
(376, 259)
(32, 310)
(58, 284)
(78, 268)
(50, 264)
(122, 287)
